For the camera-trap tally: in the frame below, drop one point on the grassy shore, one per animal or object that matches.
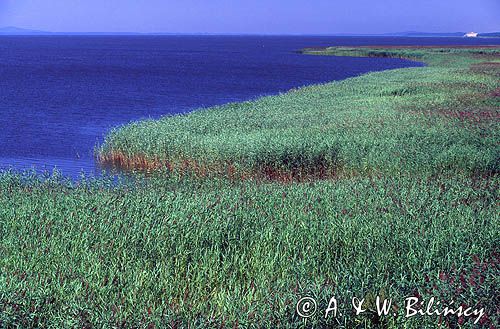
(409, 120)
(384, 184)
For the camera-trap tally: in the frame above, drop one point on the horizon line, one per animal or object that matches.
(12, 30)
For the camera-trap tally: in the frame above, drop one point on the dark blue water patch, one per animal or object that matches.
(59, 95)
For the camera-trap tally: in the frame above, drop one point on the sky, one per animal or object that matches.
(252, 16)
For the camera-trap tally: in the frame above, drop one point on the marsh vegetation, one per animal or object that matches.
(380, 185)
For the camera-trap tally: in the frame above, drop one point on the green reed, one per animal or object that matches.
(400, 120)
(410, 209)
(202, 253)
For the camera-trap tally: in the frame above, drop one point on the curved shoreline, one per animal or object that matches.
(163, 150)
(143, 163)
(422, 209)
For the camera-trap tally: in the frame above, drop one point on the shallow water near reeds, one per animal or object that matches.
(59, 95)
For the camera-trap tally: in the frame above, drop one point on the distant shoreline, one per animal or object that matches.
(239, 35)
(406, 47)
(15, 31)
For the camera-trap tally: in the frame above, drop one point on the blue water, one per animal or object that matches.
(59, 95)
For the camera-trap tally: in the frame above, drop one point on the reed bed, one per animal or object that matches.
(392, 189)
(204, 254)
(409, 120)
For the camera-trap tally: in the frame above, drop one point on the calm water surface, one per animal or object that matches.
(59, 95)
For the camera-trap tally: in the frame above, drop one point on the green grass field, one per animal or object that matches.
(381, 185)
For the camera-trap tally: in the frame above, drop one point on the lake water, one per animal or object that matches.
(59, 95)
